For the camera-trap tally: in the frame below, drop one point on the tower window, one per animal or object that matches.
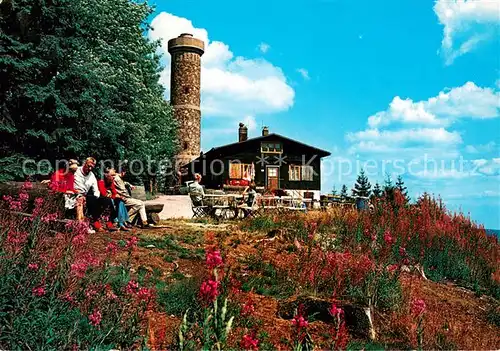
(185, 146)
(186, 89)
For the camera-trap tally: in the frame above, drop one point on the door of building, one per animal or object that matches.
(272, 177)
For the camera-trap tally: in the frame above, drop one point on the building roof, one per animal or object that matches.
(223, 148)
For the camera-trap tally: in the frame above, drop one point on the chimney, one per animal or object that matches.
(242, 133)
(265, 131)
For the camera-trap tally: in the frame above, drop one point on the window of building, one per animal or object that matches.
(298, 173)
(307, 173)
(271, 147)
(239, 170)
(186, 89)
(294, 172)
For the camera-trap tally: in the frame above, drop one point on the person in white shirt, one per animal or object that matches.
(86, 185)
(196, 190)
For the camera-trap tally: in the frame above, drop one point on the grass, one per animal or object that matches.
(178, 297)
(172, 245)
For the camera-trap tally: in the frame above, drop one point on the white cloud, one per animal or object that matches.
(467, 101)
(304, 73)
(231, 86)
(468, 22)
(407, 136)
(476, 149)
(264, 47)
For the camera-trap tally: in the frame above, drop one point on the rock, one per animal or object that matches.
(358, 319)
(151, 246)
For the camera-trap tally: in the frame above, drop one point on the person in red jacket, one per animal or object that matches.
(107, 188)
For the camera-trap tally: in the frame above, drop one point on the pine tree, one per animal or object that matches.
(362, 187)
(377, 190)
(388, 186)
(343, 192)
(400, 185)
(334, 191)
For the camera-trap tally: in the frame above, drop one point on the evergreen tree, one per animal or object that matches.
(362, 187)
(388, 186)
(334, 191)
(79, 78)
(400, 185)
(377, 190)
(343, 192)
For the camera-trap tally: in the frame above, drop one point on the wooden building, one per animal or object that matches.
(271, 160)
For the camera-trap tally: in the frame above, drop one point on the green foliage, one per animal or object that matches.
(377, 190)
(263, 223)
(178, 297)
(362, 187)
(343, 192)
(400, 185)
(79, 77)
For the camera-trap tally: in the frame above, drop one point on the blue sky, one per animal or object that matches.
(412, 87)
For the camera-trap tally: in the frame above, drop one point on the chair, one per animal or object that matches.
(253, 210)
(200, 210)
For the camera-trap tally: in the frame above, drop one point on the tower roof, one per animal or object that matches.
(186, 42)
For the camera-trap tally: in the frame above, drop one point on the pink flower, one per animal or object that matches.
(27, 186)
(144, 294)
(335, 311)
(38, 291)
(95, 318)
(214, 259)
(50, 217)
(23, 197)
(388, 238)
(132, 287)
(249, 342)
(248, 308)
(300, 322)
(402, 251)
(79, 240)
(90, 292)
(79, 269)
(418, 307)
(33, 266)
(39, 201)
(132, 243)
(209, 290)
(112, 248)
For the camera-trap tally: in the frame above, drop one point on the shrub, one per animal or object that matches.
(55, 293)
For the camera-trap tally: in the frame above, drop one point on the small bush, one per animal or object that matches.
(179, 296)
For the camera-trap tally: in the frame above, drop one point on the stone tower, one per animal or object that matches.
(185, 73)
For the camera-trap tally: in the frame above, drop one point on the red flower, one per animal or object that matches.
(132, 287)
(209, 290)
(95, 318)
(214, 259)
(39, 291)
(33, 266)
(248, 308)
(79, 240)
(132, 243)
(335, 311)
(402, 251)
(112, 248)
(388, 238)
(249, 342)
(144, 294)
(79, 269)
(300, 322)
(418, 307)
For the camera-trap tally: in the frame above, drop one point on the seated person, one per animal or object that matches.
(196, 191)
(86, 186)
(63, 181)
(135, 206)
(250, 192)
(107, 188)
